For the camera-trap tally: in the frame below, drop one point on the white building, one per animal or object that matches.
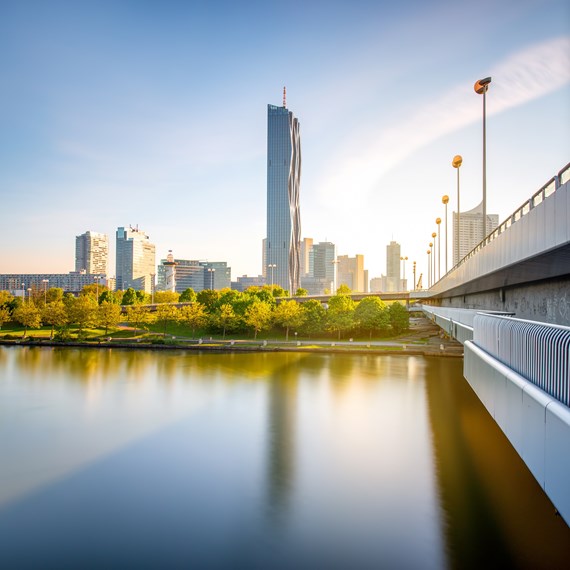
(471, 233)
(135, 263)
(91, 253)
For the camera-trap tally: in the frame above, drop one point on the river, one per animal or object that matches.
(156, 459)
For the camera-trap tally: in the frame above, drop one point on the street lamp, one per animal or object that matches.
(456, 163)
(429, 267)
(23, 292)
(272, 266)
(29, 295)
(334, 262)
(445, 200)
(438, 222)
(45, 282)
(403, 260)
(481, 87)
(414, 284)
(433, 274)
(96, 278)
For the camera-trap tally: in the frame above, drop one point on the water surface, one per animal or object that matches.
(156, 459)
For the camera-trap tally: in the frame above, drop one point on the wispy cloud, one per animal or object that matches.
(522, 77)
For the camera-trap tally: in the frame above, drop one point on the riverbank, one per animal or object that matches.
(423, 339)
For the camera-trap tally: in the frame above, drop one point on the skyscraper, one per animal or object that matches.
(351, 273)
(135, 263)
(91, 253)
(283, 211)
(471, 233)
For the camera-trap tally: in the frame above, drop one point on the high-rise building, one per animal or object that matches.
(351, 273)
(322, 269)
(91, 253)
(471, 233)
(194, 274)
(392, 280)
(135, 261)
(305, 250)
(283, 212)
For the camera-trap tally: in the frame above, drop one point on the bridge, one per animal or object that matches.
(508, 303)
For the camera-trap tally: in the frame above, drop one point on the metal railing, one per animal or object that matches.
(539, 352)
(545, 191)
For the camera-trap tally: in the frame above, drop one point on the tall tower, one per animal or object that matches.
(283, 240)
(135, 260)
(91, 253)
(169, 272)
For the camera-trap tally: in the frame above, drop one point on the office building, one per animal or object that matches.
(304, 252)
(245, 281)
(322, 269)
(471, 233)
(193, 274)
(392, 281)
(283, 211)
(351, 272)
(91, 253)
(72, 282)
(135, 262)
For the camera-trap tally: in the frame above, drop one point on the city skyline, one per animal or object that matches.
(103, 126)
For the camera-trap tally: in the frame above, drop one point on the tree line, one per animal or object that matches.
(210, 311)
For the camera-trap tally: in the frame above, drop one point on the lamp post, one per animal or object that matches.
(481, 86)
(433, 274)
(272, 266)
(45, 282)
(445, 200)
(456, 163)
(429, 267)
(414, 284)
(334, 262)
(438, 222)
(29, 295)
(403, 260)
(23, 292)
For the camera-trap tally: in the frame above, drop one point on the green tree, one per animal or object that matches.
(372, 315)
(225, 318)
(188, 295)
(93, 290)
(314, 315)
(108, 315)
(288, 314)
(28, 315)
(165, 314)
(343, 290)
(129, 297)
(258, 316)
(5, 298)
(55, 315)
(166, 297)
(54, 294)
(142, 297)
(82, 312)
(340, 314)
(138, 315)
(209, 298)
(399, 318)
(261, 293)
(301, 292)
(194, 316)
(4, 316)
(108, 297)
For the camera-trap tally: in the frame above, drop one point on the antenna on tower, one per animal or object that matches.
(284, 97)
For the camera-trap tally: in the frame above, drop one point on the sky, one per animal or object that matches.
(154, 113)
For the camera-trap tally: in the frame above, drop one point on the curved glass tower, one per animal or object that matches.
(282, 246)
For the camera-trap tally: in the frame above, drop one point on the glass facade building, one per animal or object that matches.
(282, 245)
(135, 261)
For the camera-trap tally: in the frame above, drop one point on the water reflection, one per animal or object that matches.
(258, 460)
(496, 513)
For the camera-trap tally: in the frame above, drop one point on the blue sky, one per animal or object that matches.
(154, 113)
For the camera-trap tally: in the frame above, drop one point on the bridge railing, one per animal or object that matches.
(539, 352)
(545, 191)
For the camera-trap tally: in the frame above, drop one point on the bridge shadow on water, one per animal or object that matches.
(480, 478)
